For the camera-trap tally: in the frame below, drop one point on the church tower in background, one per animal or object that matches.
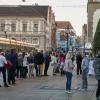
(93, 10)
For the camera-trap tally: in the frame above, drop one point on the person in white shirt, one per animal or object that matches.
(54, 63)
(2, 68)
(25, 65)
(91, 68)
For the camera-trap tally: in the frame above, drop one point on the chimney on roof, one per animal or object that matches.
(23, 0)
(36, 4)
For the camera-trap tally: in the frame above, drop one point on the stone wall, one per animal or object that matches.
(92, 7)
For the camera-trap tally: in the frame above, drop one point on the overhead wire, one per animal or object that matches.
(73, 6)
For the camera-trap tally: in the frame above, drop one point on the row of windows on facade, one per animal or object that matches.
(33, 41)
(13, 27)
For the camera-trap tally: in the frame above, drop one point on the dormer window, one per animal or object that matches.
(2, 27)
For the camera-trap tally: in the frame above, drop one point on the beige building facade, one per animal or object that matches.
(24, 29)
(29, 24)
(93, 10)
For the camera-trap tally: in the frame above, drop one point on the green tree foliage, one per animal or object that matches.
(96, 40)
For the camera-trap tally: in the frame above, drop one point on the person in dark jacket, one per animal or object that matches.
(39, 60)
(96, 66)
(35, 62)
(25, 65)
(47, 59)
(9, 71)
(14, 60)
(79, 61)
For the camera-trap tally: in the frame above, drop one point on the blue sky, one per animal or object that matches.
(63, 9)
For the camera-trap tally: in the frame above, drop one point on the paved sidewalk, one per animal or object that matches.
(48, 88)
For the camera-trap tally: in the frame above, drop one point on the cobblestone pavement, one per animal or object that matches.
(48, 88)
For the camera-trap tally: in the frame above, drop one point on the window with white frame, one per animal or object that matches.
(2, 27)
(13, 27)
(35, 41)
(24, 27)
(35, 27)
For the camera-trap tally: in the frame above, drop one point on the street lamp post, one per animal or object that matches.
(5, 34)
(84, 43)
(67, 30)
(67, 42)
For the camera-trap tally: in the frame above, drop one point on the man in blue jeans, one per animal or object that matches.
(68, 68)
(69, 79)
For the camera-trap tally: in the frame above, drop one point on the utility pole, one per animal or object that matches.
(67, 30)
(84, 43)
(5, 34)
(23, 0)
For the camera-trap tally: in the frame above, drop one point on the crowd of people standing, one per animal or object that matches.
(22, 65)
(85, 65)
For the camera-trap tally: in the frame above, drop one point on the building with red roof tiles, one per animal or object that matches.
(65, 35)
(63, 24)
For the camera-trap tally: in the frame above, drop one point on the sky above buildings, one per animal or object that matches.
(74, 11)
